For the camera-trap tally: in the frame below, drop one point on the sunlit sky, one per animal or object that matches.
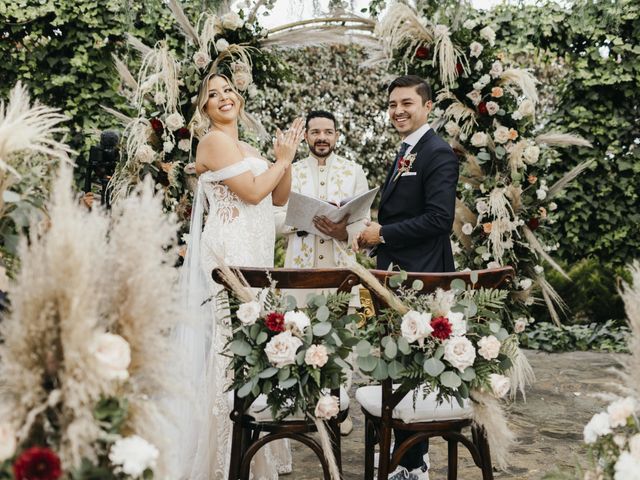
(286, 11)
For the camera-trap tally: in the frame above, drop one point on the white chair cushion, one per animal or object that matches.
(427, 408)
(262, 413)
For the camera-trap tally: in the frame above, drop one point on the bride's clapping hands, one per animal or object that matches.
(286, 143)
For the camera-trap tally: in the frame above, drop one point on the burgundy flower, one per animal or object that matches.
(275, 322)
(157, 126)
(422, 52)
(441, 328)
(404, 163)
(533, 223)
(184, 133)
(459, 68)
(37, 463)
(482, 108)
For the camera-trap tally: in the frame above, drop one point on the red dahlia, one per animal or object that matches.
(441, 328)
(184, 133)
(156, 125)
(275, 322)
(37, 463)
(422, 52)
(482, 108)
(533, 223)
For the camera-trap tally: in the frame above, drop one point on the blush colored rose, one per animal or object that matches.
(275, 322)
(489, 347)
(327, 407)
(316, 356)
(113, 355)
(281, 349)
(500, 385)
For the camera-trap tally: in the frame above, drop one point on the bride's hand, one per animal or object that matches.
(286, 143)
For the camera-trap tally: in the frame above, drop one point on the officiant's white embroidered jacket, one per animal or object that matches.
(338, 179)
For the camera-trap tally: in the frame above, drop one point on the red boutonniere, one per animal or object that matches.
(404, 165)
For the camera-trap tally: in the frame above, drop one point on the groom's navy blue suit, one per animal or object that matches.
(416, 213)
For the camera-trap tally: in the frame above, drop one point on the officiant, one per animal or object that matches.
(329, 177)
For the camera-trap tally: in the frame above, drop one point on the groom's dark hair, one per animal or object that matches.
(422, 87)
(320, 114)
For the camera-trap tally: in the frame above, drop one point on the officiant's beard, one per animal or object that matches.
(325, 153)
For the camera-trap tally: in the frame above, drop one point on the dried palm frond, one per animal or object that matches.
(208, 28)
(516, 161)
(121, 117)
(488, 413)
(463, 215)
(552, 298)
(124, 72)
(458, 112)
(143, 49)
(182, 20)
(556, 139)
(126, 175)
(446, 55)
(502, 226)
(568, 177)
(523, 79)
(514, 194)
(159, 71)
(630, 293)
(535, 244)
(234, 280)
(313, 36)
(401, 27)
(365, 23)
(29, 128)
(520, 373)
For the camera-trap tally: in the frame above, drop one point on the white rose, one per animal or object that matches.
(492, 108)
(7, 442)
(316, 356)
(531, 154)
(458, 323)
(184, 145)
(501, 135)
(459, 352)
(553, 206)
(174, 121)
(519, 325)
(516, 115)
(539, 269)
(598, 425)
(526, 108)
(489, 347)
(231, 21)
(627, 467)
(242, 80)
(467, 229)
(475, 96)
(482, 207)
(327, 407)
(604, 51)
(160, 98)
(249, 312)
(541, 193)
(145, 154)
(416, 326)
(113, 355)
(526, 283)
(496, 69)
(493, 264)
(484, 80)
(479, 66)
(500, 385)
(252, 90)
(469, 24)
(634, 445)
(134, 455)
(167, 146)
(201, 59)
(221, 45)
(620, 410)
(298, 319)
(475, 49)
(281, 349)
(489, 35)
(452, 128)
(479, 139)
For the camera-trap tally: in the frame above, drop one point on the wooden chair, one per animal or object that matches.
(253, 427)
(385, 408)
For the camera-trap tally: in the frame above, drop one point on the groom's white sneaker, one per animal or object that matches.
(402, 473)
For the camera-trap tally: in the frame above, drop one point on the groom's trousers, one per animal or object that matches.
(414, 458)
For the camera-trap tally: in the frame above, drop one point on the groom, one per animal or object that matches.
(417, 208)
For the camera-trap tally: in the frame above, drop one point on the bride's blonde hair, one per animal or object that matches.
(201, 122)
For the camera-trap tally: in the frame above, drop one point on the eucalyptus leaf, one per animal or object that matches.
(450, 380)
(458, 284)
(268, 373)
(468, 374)
(417, 285)
(262, 337)
(403, 346)
(284, 373)
(494, 327)
(381, 372)
(368, 363)
(396, 369)
(323, 313)
(502, 334)
(391, 350)
(240, 348)
(288, 383)
(321, 329)
(245, 389)
(473, 276)
(363, 348)
(433, 366)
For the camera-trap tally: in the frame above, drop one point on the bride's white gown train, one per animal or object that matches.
(244, 235)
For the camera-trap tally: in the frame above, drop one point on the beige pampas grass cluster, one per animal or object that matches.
(488, 413)
(401, 26)
(523, 79)
(159, 72)
(82, 277)
(463, 215)
(458, 112)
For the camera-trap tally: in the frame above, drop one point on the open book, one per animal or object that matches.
(302, 209)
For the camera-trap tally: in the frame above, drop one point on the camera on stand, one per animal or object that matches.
(102, 165)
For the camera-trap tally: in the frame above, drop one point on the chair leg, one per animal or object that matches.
(385, 450)
(237, 450)
(369, 448)
(337, 449)
(485, 453)
(452, 473)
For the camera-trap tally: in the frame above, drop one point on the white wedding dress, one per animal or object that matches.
(243, 235)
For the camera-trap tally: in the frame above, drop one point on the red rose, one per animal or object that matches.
(403, 163)
(441, 328)
(37, 463)
(533, 223)
(422, 52)
(156, 125)
(482, 108)
(459, 68)
(184, 133)
(275, 322)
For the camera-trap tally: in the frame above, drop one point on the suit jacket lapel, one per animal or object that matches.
(390, 184)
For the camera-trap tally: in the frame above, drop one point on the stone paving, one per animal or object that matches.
(548, 426)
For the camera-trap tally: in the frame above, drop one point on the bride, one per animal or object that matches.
(240, 188)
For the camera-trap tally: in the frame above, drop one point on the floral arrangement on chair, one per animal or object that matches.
(486, 108)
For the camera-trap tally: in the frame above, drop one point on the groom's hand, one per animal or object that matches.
(334, 230)
(370, 236)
